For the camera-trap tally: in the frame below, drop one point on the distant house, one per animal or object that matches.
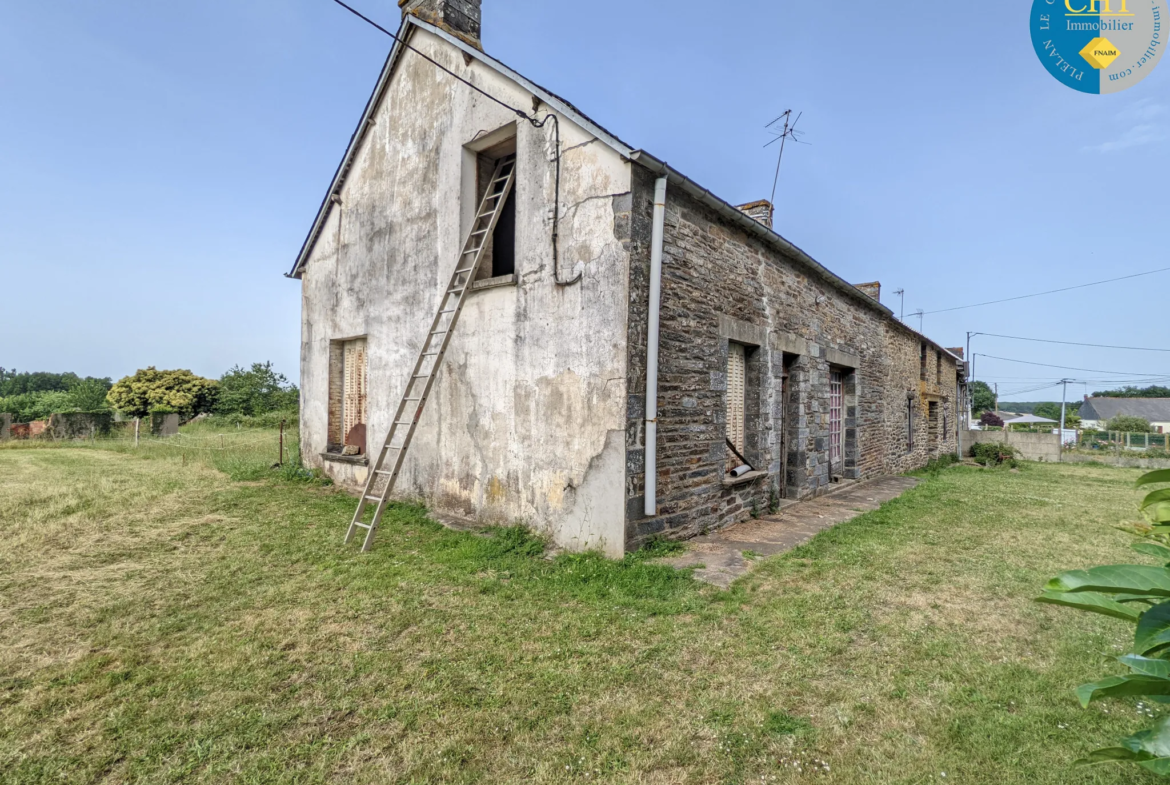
(1097, 412)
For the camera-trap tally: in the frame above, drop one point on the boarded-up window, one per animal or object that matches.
(736, 397)
(347, 396)
(932, 421)
(836, 409)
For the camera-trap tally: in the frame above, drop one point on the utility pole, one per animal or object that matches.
(1063, 405)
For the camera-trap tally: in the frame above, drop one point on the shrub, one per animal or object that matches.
(994, 454)
(1139, 595)
(990, 418)
(255, 392)
(1126, 424)
(37, 405)
(150, 389)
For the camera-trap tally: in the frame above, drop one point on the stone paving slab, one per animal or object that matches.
(720, 555)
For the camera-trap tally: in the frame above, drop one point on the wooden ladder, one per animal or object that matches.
(384, 472)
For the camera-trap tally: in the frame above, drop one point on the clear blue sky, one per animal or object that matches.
(161, 163)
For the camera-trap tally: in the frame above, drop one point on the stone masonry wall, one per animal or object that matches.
(721, 285)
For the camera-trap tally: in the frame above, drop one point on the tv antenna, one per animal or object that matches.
(789, 132)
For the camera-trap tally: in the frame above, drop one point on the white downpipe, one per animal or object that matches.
(652, 348)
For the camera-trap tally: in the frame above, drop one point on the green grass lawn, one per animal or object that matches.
(160, 622)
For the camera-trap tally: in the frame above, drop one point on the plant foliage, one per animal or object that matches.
(256, 391)
(1126, 424)
(982, 397)
(1138, 594)
(994, 454)
(151, 390)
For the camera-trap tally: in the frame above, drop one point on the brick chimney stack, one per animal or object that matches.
(458, 17)
(760, 212)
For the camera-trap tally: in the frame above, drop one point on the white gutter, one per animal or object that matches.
(655, 305)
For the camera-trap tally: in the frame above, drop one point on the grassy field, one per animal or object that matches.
(165, 623)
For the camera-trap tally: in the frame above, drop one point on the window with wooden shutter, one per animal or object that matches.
(354, 402)
(736, 373)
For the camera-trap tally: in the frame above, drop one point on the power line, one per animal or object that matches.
(434, 62)
(1074, 343)
(1041, 294)
(1062, 367)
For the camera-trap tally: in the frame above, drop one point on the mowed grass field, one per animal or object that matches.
(162, 622)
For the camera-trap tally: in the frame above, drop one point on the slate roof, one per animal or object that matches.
(1152, 409)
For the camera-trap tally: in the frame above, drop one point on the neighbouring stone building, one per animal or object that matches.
(775, 378)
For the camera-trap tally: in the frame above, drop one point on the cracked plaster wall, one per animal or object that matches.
(527, 417)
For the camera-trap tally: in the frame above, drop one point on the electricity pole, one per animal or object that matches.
(1063, 405)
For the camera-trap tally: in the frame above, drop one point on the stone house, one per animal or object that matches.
(774, 378)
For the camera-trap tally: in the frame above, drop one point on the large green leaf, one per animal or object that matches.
(1161, 495)
(1154, 741)
(1093, 602)
(1112, 755)
(1152, 549)
(1114, 579)
(1153, 630)
(1158, 513)
(1153, 478)
(1146, 666)
(1121, 687)
(1160, 766)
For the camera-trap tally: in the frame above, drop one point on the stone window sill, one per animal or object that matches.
(336, 457)
(492, 283)
(731, 482)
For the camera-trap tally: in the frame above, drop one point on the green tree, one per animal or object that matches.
(1049, 410)
(180, 391)
(89, 395)
(982, 397)
(1127, 424)
(256, 391)
(1135, 392)
(27, 407)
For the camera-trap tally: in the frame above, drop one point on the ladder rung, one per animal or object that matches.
(481, 231)
(440, 332)
(382, 471)
(403, 422)
(420, 376)
(364, 525)
(374, 499)
(431, 354)
(450, 311)
(414, 399)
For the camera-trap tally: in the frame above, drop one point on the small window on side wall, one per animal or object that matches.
(499, 257)
(347, 396)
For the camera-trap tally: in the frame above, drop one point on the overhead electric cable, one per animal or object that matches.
(1041, 294)
(1075, 343)
(434, 62)
(1062, 367)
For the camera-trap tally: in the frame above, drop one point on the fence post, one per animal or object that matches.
(282, 442)
(137, 422)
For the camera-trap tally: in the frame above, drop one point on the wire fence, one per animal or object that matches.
(243, 453)
(1120, 441)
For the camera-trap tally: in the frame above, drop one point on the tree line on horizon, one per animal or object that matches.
(241, 392)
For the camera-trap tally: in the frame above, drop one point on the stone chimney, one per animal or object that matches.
(760, 212)
(458, 17)
(873, 290)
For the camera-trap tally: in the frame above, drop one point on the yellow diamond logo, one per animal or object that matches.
(1100, 53)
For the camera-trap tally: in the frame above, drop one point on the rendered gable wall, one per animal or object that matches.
(527, 419)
